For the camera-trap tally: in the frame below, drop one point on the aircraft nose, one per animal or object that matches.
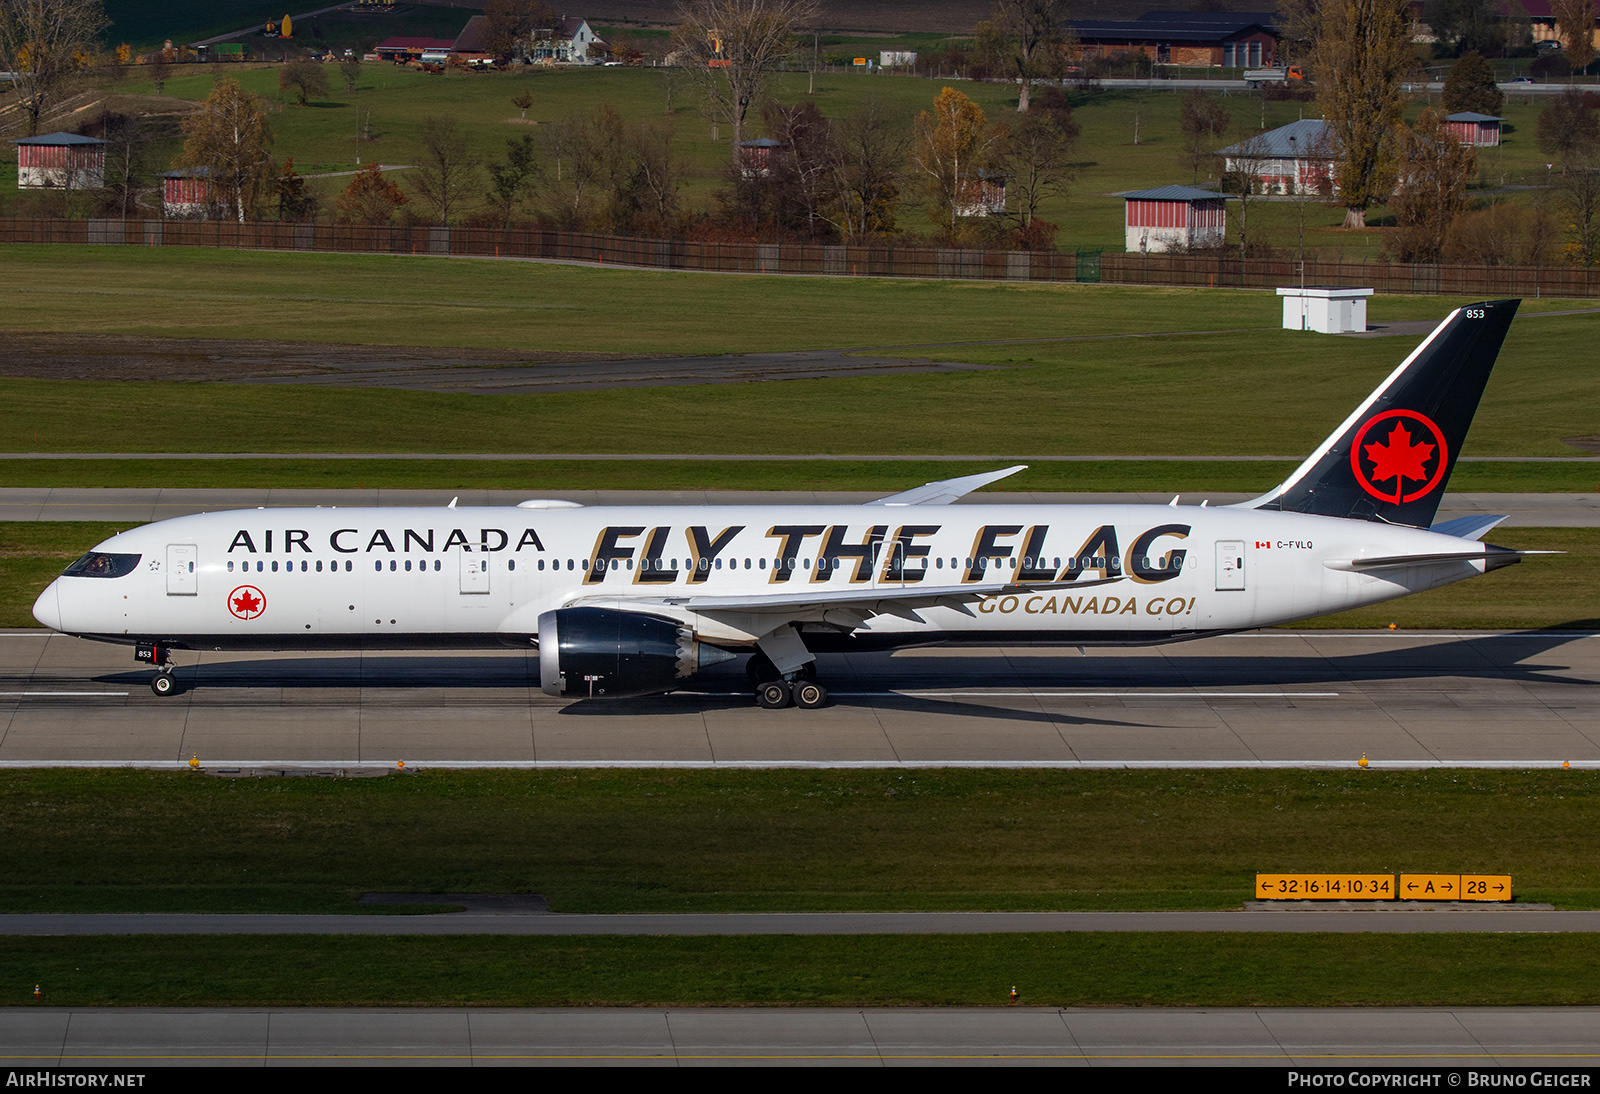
(47, 609)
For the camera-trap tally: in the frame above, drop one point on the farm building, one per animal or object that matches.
(60, 161)
(1476, 130)
(757, 157)
(1293, 159)
(472, 44)
(1541, 17)
(186, 192)
(984, 196)
(402, 50)
(568, 43)
(1228, 39)
(1174, 218)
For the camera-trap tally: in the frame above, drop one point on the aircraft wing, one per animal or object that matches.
(897, 600)
(946, 491)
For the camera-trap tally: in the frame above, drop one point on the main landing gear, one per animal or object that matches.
(774, 691)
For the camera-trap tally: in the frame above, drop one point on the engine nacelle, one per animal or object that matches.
(603, 653)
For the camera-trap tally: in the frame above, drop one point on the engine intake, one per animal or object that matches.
(603, 653)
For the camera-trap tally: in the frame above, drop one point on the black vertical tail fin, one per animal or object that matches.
(1390, 460)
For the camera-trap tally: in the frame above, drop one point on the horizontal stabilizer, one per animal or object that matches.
(946, 491)
(1493, 558)
(1476, 526)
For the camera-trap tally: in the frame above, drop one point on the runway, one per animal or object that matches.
(1369, 1037)
(1271, 698)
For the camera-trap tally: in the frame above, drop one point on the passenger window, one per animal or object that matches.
(274, 565)
(348, 565)
(377, 565)
(230, 567)
(511, 564)
(761, 563)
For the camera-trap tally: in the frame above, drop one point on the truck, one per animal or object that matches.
(1256, 77)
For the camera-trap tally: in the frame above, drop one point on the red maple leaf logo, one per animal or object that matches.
(1398, 458)
(246, 602)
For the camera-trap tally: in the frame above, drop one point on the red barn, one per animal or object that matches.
(60, 161)
(1174, 218)
(1475, 130)
(186, 192)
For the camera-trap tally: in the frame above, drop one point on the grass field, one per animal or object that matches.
(321, 137)
(1231, 384)
(720, 841)
(1063, 970)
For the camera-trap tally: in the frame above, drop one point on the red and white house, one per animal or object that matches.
(1474, 130)
(1174, 218)
(60, 161)
(1297, 158)
(186, 192)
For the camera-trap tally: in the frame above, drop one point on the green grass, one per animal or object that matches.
(766, 841)
(1057, 970)
(320, 137)
(1246, 388)
(1189, 477)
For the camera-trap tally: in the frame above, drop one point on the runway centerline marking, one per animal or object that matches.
(64, 694)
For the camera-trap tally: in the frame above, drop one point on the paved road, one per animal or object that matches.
(1397, 921)
(1257, 699)
(1380, 1037)
(155, 503)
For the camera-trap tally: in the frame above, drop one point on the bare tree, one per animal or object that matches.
(44, 42)
(1363, 52)
(1578, 198)
(350, 69)
(731, 47)
(1202, 119)
(1036, 157)
(1434, 169)
(1026, 40)
(446, 168)
(127, 164)
(1248, 164)
(864, 191)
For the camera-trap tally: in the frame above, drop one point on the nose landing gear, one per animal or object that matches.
(164, 683)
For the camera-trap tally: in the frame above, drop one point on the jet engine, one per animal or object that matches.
(603, 653)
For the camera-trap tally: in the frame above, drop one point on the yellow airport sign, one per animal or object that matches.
(1325, 887)
(1430, 886)
(1485, 886)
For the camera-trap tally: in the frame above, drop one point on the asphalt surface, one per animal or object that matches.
(1271, 698)
(139, 1039)
(143, 504)
(1412, 920)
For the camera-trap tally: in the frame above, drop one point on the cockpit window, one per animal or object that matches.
(102, 564)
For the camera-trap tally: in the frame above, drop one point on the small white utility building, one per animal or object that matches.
(1325, 310)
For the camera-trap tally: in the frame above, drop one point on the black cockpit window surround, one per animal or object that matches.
(102, 564)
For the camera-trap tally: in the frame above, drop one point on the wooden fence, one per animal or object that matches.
(1220, 271)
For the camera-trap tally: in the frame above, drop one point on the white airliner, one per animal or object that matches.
(627, 601)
